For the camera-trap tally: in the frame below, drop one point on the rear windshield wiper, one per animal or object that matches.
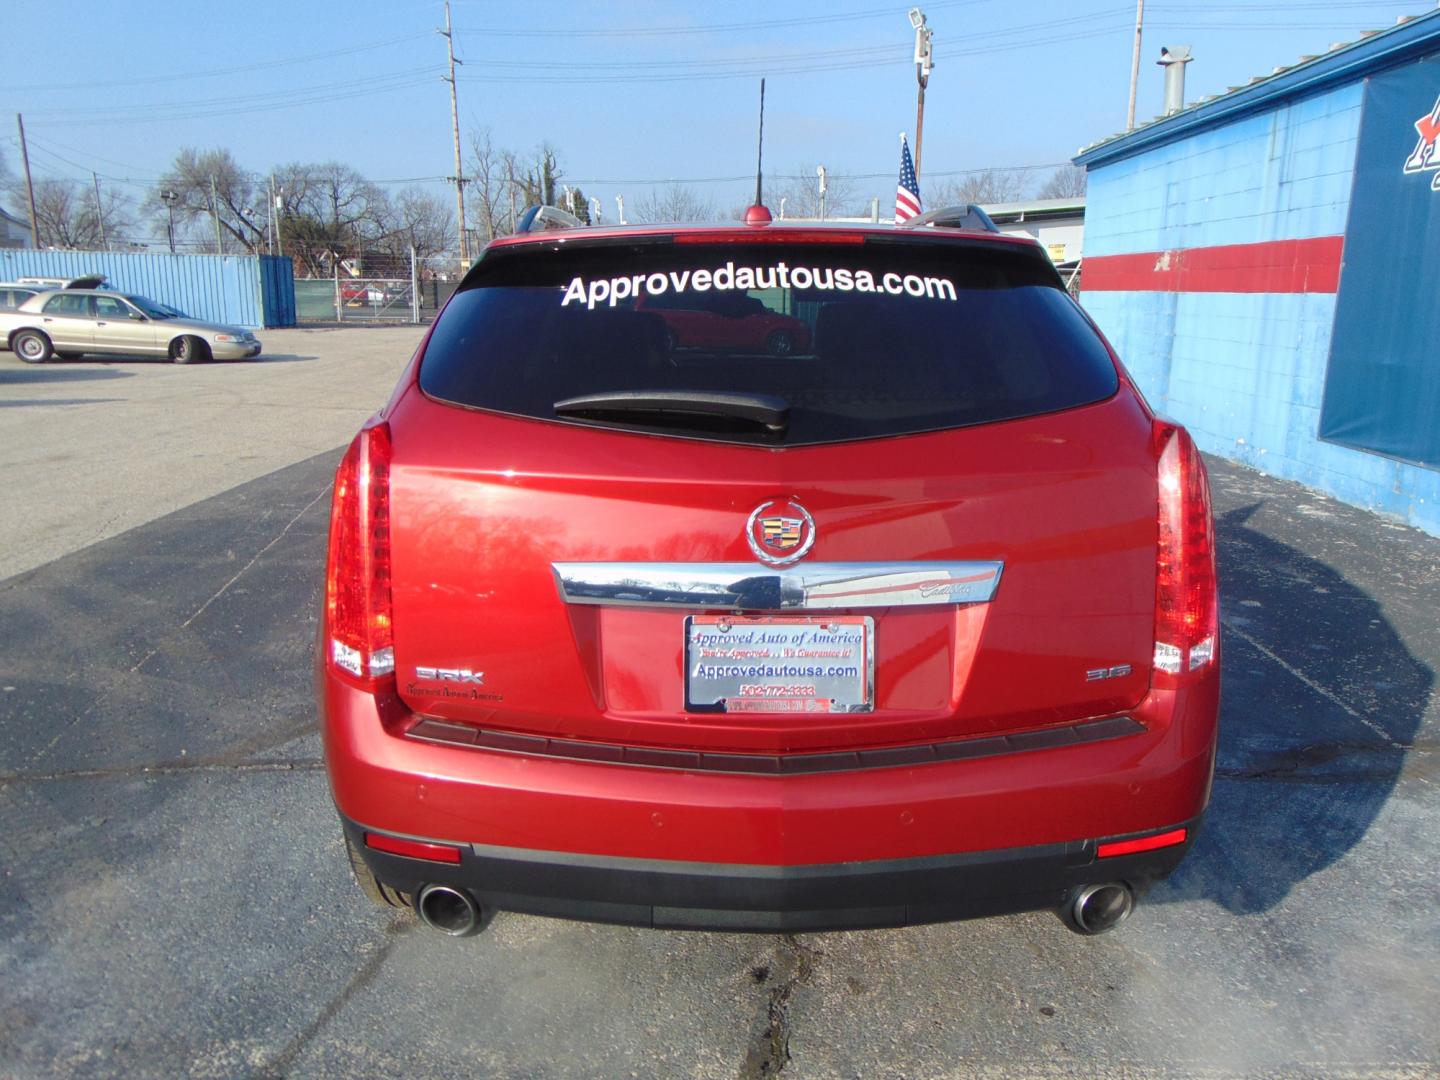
(763, 410)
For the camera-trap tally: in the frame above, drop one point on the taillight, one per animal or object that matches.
(1186, 605)
(358, 635)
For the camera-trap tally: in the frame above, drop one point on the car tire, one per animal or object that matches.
(780, 343)
(189, 350)
(32, 346)
(370, 885)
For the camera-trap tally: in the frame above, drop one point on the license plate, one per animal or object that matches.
(796, 664)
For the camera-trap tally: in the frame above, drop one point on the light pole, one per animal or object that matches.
(924, 61)
(170, 196)
(820, 172)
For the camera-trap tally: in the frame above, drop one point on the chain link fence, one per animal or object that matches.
(366, 287)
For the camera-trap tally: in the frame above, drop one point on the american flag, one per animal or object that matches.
(907, 195)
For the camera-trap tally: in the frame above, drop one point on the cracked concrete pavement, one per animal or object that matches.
(174, 896)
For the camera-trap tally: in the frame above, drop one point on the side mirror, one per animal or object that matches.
(137, 316)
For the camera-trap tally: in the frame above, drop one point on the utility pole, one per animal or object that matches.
(215, 213)
(100, 212)
(820, 172)
(278, 208)
(29, 185)
(455, 123)
(1135, 64)
(510, 172)
(168, 196)
(924, 61)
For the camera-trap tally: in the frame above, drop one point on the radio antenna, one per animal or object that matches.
(757, 214)
(760, 151)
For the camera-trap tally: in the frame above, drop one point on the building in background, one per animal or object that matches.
(14, 232)
(1267, 264)
(1058, 224)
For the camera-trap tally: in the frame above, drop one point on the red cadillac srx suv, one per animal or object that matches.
(913, 621)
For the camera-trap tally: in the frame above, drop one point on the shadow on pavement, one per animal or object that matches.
(1321, 701)
(46, 373)
(6, 403)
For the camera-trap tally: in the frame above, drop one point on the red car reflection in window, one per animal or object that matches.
(728, 322)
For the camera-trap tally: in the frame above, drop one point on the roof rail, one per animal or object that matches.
(966, 216)
(546, 218)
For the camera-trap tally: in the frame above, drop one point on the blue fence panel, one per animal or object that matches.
(277, 285)
(240, 290)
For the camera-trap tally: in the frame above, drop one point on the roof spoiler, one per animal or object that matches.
(545, 219)
(966, 216)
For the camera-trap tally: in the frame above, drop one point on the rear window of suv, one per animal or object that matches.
(845, 341)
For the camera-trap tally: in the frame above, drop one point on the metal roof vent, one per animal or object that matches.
(1173, 59)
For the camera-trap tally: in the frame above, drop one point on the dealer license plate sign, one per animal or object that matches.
(797, 664)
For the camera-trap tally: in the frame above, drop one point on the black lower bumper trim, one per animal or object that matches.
(838, 896)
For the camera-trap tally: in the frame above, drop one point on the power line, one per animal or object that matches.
(794, 68)
(808, 177)
(815, 56)
(97, 157)
(379, 81)
(209, 73)
(711, 28)
(1296, 5)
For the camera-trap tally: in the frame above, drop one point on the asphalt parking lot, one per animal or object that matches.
(174, 895)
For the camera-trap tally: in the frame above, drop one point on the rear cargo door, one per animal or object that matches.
(936, 521)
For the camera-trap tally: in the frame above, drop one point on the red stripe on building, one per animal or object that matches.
(1277, 266)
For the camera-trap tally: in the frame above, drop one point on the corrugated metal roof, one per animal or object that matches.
(1074, 206)
(1411, 37)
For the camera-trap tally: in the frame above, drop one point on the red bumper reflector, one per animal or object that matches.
(1144, 843)
(412, 849)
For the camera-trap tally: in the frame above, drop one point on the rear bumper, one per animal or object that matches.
(773, 899)
(680, 847)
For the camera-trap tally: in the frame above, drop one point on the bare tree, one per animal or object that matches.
(981, 186)
(490, 195)
(67, 215)
(212, 186)
(801, 194)
(540, 181)
(675, 204)
(419, 220)
(1066, 182)
(330, 211)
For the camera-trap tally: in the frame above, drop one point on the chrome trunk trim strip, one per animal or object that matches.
(820, 586)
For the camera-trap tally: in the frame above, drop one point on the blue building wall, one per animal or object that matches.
(1245, 371)
(239, 290)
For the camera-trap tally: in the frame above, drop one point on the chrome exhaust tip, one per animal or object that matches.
(1094, 909)
(451, 911)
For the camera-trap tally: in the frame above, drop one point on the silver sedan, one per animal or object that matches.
(69, 322)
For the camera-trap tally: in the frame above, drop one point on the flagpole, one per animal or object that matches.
(919, 129)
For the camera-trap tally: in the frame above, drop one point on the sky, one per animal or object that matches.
(633, 95)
